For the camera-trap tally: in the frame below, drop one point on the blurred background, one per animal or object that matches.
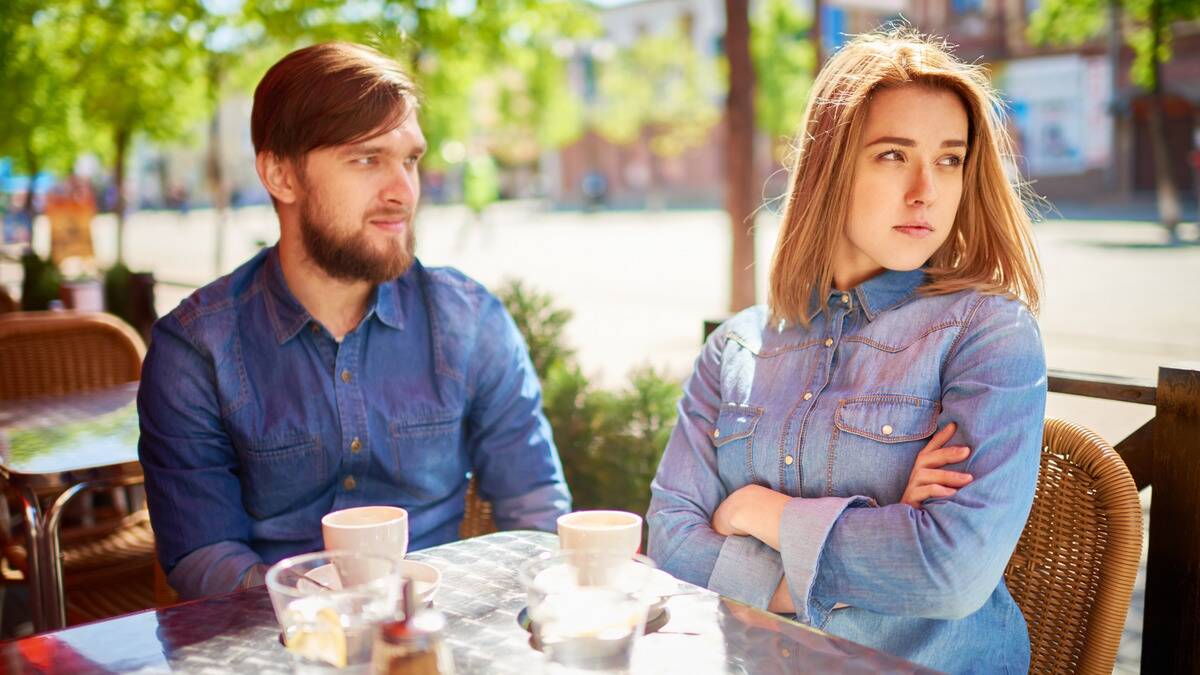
(612, 168)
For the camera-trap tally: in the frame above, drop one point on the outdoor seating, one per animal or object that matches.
(107, 563)
(1073, 570)
(477, 519)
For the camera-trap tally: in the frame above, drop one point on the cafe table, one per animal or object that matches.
(52, 449)
(480, 597)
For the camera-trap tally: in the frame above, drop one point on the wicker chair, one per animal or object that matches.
(477, 520)
(107, 568)
(1073, 569)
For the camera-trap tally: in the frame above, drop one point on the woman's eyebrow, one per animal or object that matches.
(910, 143)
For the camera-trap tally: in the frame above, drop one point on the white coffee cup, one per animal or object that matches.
(618, 531)
(381, 530)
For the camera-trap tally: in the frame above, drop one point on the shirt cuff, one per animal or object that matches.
(537, 509)
(213, 569)
(747, 570)
(803, 529)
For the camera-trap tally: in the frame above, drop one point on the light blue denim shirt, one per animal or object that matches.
(834, 415)
(256, 423)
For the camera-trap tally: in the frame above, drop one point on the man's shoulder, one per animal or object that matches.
(452, 295)
(218, 301)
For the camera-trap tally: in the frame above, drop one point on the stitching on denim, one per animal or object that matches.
(966, 326)
(832, 455)
(896, 349)
(916, 401)
(243, 386)
(731, 335)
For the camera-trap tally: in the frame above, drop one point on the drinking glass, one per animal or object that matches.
(587, 608)
(329, 602)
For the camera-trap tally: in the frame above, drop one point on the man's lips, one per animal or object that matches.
(917, 230)
(392, 222)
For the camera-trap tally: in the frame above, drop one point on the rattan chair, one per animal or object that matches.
(1073, 569)
(477, 519)
(108, 567)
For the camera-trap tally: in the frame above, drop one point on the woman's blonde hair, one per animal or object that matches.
(990, 247)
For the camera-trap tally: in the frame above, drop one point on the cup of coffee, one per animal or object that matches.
(616, 531)
(382, 530)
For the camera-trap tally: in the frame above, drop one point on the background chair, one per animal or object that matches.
(477, 519)
(108, 566)
(1073, 569)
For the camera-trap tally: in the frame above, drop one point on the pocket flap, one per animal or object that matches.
(735, 420)
(888, 418)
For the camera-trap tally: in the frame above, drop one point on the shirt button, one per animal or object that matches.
(887, 430)
(346, 376)
(716, 433)
(314, 328)
(786, 653)
(349, 483)
(788, 460)
(828, 342)
(807, 395)
(355, 445)
(845, 298)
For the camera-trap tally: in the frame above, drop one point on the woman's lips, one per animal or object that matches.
(914, 230)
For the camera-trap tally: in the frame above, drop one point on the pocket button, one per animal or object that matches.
(887, 430)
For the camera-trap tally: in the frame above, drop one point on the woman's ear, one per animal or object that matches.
(278, 176)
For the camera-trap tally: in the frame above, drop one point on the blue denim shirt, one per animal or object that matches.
(255, 422)
(834, 416)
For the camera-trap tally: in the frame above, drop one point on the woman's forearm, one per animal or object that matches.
(758, 511)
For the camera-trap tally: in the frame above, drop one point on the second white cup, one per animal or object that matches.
(618, 531)
(382, 530)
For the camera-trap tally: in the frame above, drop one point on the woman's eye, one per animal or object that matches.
(951, 160)
(892, 156)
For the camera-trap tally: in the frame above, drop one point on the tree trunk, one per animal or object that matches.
(31, 160)
(1164, 183)
(215, 172)
(1111, 173)
(739, 150)
(121, 144)
(817, 43)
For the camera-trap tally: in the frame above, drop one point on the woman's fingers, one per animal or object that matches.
(940, 457)
(942, 477)
(939, 439)
(915, 496)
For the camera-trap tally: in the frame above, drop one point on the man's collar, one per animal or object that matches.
(878, 294)
(288, 316)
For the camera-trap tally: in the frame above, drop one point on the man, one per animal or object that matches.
(333, 370)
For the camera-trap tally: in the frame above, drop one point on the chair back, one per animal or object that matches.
(1073, 570)
(56, 353)
(477, 518)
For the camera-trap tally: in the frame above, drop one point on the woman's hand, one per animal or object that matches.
(928, 479)
(752, 510)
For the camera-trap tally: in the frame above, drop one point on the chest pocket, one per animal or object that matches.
(270, 471)
(877, 441)
(733, 438)
(430, 460)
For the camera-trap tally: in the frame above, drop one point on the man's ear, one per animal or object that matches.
(279, 176)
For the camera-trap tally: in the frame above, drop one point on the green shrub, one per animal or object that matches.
(610, 441)
(40, 283)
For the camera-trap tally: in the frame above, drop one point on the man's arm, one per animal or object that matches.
(509, 440)
(191, 469)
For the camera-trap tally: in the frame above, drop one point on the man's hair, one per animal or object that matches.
(328, 94)
(990, 247)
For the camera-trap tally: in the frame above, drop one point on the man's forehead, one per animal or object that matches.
(408, 133)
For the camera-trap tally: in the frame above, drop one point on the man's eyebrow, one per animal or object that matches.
(910, 143)
(361, 149)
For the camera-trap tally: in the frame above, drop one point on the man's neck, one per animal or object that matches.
(338, 305)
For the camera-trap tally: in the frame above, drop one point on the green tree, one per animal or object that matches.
(783, 64)
(140, 71)
(42, 126)
(1149, 34)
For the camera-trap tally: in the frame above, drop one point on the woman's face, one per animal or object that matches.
(908, 177)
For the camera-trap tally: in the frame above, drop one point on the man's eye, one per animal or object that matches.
(364, 161)
(412, 160)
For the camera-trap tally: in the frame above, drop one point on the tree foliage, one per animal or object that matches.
(660, 86)
(783, 64)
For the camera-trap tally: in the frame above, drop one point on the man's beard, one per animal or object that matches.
(351, 256)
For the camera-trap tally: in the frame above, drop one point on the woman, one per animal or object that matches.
(901, 300)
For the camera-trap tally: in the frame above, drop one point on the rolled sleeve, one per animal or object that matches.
(803, 530)
(748, 570)
(510, 442)
(211, 570)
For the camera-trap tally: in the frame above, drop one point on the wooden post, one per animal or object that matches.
(1171, 624)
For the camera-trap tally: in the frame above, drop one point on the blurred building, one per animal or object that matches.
(1081, 126)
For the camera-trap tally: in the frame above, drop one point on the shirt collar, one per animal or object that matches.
(879, 293)
(288, 316)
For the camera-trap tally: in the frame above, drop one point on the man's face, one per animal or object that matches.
(357, 203)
